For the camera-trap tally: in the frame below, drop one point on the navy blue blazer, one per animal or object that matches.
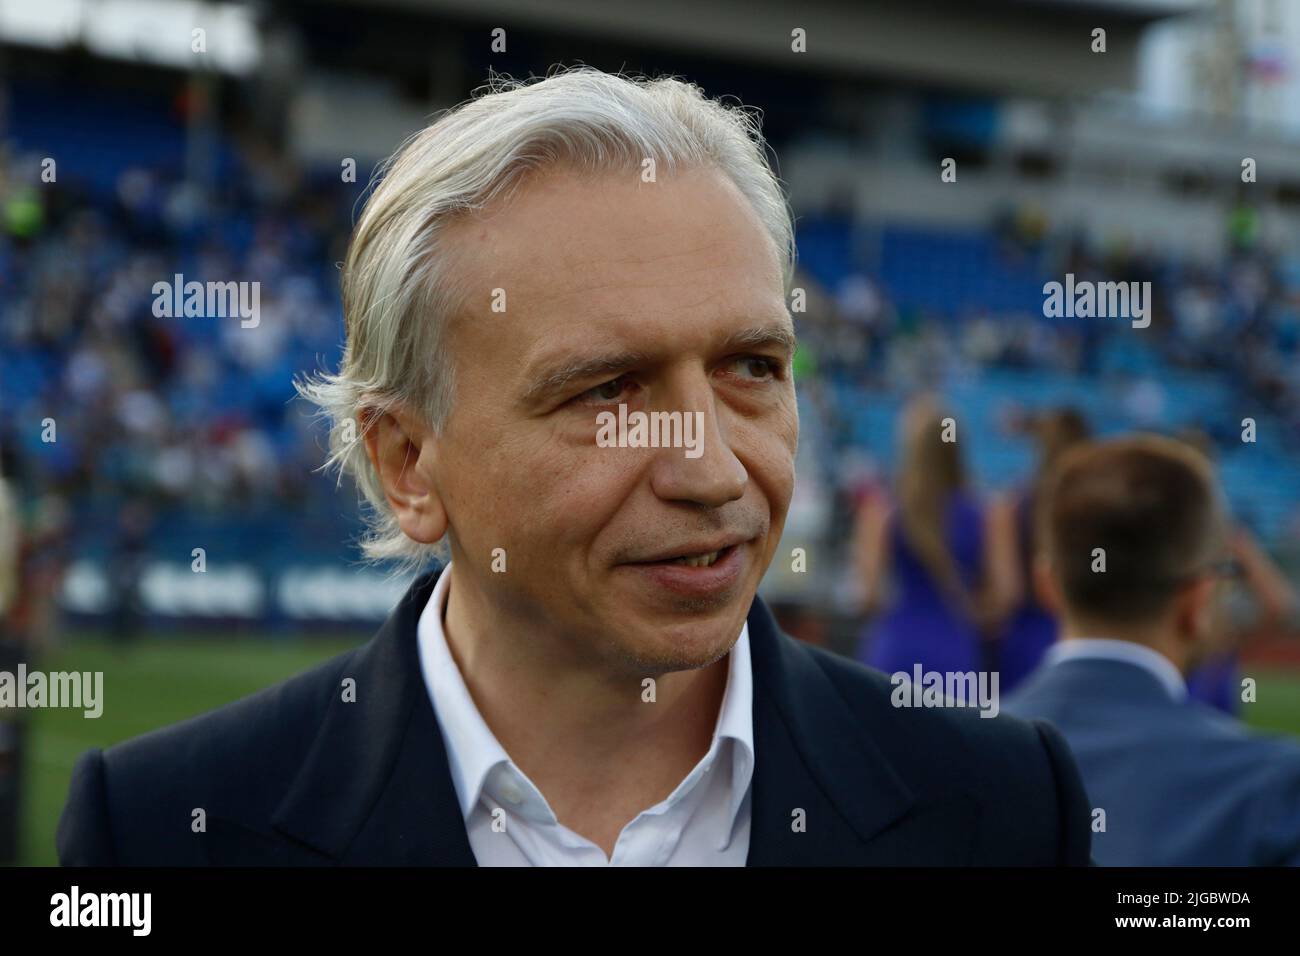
(295, 776)
(1181, 783)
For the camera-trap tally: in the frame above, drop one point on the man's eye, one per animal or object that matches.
(758, 367)
(606, 391)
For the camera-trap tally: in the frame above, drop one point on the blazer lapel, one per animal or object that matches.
(376, 787)
(812, 755)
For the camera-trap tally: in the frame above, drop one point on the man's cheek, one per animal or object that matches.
(568, 489)
(789, 427)
(773, 457)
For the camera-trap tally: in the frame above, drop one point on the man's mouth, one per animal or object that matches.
(696, 559)
(704, 571)
(700, 560)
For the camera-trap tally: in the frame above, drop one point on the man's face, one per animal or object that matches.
(664, 297)
(1208, 627)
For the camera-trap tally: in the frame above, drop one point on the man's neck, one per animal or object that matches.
(598, 751)
(1154, 639)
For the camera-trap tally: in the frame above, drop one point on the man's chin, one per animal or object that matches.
(679, 645)
(673, 618)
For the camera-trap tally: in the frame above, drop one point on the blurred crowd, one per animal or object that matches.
(115, 418)
(1238, 318)
(192, 410)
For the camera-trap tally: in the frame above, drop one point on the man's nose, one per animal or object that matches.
(707, 471)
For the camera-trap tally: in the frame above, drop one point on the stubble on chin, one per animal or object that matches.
(653, 658)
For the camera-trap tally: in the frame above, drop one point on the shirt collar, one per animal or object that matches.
(473, 751)
(736, 723)
(1129, 652)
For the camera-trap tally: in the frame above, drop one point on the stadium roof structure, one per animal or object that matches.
(1038, 47)
(156, 32)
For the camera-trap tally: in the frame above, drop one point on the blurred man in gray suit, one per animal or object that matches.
(1134, 534)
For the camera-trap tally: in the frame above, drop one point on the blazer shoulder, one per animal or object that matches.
(1019, 772)
(873, 693)
(84, 836)
(272, 723)
(120, 799)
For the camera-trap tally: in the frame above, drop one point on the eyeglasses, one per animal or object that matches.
(1227, 569)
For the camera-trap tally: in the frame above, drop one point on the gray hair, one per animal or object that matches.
(397, 295)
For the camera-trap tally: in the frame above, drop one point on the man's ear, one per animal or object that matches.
(403, 451)
(1045, 587)
(1196, 613)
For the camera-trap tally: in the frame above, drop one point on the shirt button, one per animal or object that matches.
(512, 794)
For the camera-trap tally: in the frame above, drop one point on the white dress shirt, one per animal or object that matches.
(1104, 648)
(703, 822)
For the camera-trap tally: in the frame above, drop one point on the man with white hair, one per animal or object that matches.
(590, 679)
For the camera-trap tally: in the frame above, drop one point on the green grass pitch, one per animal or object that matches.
(147, 685)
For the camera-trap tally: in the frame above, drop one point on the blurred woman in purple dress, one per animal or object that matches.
(928, 539)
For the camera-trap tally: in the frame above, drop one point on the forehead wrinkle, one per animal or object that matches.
(668, 281)
(701, 255)
(590, 266)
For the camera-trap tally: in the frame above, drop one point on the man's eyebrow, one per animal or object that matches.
(550, 382)
(781, 336)
(581, 370)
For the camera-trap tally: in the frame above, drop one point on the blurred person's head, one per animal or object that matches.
(538, 256)
(1199, 439)
(1054, 433)
(930, 471)
(1057, 430)
(1133, 533)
